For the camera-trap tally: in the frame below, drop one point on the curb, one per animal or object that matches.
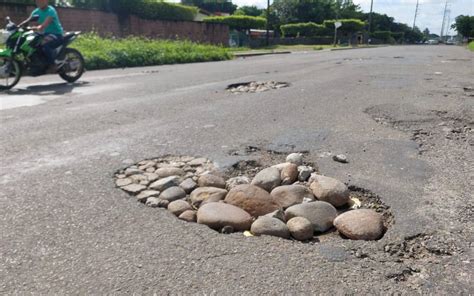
(244, 55)
(349, 48)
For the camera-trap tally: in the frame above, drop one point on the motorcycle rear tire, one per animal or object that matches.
(62, 72)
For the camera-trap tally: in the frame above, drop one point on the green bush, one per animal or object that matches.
(471, 45)
(382, 35)
(398, 36)
(349, 26)
(103, 53)
(239, 22)
(154, 10)
(303, 29)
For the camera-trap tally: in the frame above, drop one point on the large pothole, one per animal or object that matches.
(256, 86)
(284, 199)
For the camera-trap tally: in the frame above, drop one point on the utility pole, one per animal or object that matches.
(268, 23)
(447, 24)
(444, 19)
(416, 13)
(370, 19)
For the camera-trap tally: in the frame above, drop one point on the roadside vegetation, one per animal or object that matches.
(104, 53)
(471, 45)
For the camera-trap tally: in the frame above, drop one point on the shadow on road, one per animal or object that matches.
(48, 89)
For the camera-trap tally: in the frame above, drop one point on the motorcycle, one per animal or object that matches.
(22, 55)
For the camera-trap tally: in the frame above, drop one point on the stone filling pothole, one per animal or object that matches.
(256, 86)
(288, 200)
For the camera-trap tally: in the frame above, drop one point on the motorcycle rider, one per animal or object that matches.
(51, 27)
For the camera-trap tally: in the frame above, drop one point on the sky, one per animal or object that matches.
(430, 12)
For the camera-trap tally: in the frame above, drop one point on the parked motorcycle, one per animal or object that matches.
(22, 55)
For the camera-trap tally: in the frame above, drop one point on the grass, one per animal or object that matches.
(104, 53)
(471, 46)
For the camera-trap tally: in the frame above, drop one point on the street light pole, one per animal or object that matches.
(416, 14)
(370, 19)
(268, 23)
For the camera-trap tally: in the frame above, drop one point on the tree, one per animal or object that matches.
(464, 25)
(303, 11)
(249, 10)
(346, 9)
(380, 22)
(426, 32)
(225, 6)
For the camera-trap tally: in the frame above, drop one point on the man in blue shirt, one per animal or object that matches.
(50, 26)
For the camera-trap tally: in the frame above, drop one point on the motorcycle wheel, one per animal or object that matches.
(74, 65)
(10, 79)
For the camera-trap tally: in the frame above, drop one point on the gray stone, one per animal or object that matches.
(232, 182)
(186, 158)
(288, 195)
(270, 226)
(188, 185)
(304, 172)
(146, 165)
(340, 158)
(178, 207)
(204, 195)
(132, 171)
(252, 199)
(217, 215)
(278, 214)
(296, 158)
(156, 202)
(267, 179)
(150, 170)
(300, 228)
(152, 177)
(321, 214)
(188, 216)
(330, 190)
(198, 162)
(123, 182)
(360, 224)
(134, 188)
(165, 183)
(173, 193)
(209, 180)
(144, 195)
(138, 178)
(169, 171)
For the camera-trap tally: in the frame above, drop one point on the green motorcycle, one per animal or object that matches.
(22, 55)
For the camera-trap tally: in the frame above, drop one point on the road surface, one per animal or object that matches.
(402, 115)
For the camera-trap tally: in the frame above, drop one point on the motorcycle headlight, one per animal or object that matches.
(4, 35)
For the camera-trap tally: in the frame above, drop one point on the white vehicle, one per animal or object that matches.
(433, 42)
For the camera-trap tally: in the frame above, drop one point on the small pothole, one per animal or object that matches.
(256, 86)
(259, 196)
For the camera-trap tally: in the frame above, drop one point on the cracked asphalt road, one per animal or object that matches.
(403, 116)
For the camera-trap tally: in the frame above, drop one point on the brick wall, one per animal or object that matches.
(106, 23)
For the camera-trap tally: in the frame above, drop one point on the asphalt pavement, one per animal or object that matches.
(403, 116)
